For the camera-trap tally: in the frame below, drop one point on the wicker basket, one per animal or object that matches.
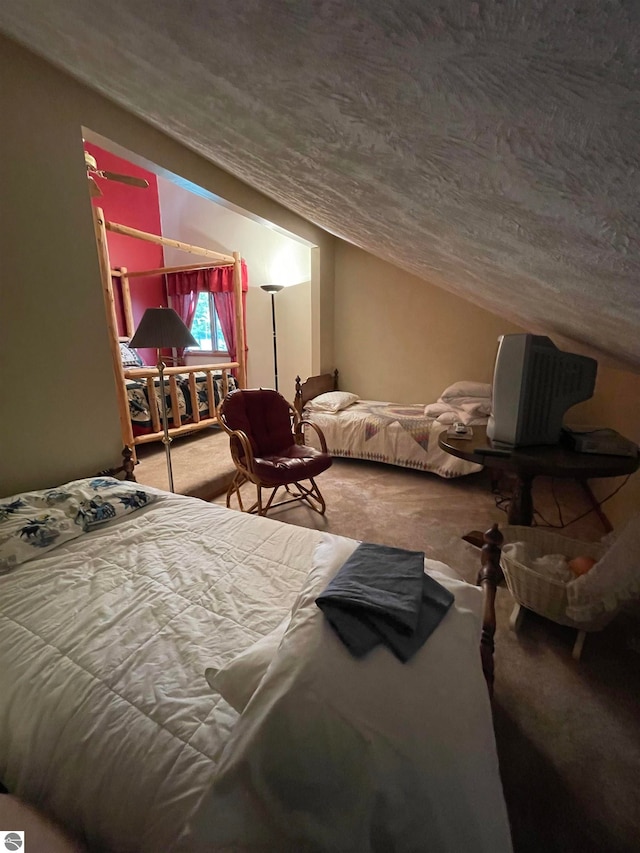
(546, 595)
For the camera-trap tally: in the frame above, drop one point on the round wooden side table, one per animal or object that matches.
(530, 462)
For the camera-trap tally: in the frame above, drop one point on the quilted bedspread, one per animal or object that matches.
(398, 434)
(138, 399)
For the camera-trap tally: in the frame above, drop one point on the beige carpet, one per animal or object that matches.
(568, 733)
(201, 464)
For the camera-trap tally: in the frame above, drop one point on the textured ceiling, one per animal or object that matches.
(489, 147)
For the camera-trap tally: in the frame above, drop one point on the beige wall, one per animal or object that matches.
(293, 308)
(60, 417)
(615, 404)
(52, 323)
(293, 325)
(271, 258)
(398, 338)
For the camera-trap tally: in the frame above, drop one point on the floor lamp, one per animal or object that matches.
(273, 289)
(161, 328)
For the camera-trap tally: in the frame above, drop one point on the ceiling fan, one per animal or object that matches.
(93, 172)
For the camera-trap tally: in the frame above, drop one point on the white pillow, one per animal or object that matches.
(434, 410)
(332, 401)
(477, 408)
(466, 388)
(32, 523)
(238, 680)
(29, 527)
(473, 406)
(98, 500)
(463, 417)
(332, 750)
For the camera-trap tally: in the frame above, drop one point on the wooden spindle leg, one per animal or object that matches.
(128, 464)
(489, 578)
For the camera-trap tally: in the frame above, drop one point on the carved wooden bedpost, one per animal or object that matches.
(489, 578)
(297, 400)
(128, 464)
(241, 346)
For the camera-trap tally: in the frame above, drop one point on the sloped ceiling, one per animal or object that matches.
(490, 147)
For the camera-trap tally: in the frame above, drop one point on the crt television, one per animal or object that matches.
(534, 383)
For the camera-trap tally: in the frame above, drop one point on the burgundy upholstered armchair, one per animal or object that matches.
(266, 436)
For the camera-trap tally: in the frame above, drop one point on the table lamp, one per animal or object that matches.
(162, 328)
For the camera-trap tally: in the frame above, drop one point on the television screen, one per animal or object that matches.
(534, 383)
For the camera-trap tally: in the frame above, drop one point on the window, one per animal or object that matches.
(206, 328)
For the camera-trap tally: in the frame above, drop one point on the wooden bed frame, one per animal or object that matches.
(151, 374)
(198, 420)
(313, 386)
(490, 577)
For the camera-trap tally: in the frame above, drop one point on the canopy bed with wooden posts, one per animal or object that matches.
(194, 391)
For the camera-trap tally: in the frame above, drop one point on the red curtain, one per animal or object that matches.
(226, 310)
(184, 304)
(183, 288)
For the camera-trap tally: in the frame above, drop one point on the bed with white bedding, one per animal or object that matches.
(108, 724)
(402, 434)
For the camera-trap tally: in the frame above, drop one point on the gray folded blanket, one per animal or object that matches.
(382, 595)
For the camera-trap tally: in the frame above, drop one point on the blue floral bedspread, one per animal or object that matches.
(138, 398)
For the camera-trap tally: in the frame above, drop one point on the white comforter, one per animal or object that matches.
(106, 720)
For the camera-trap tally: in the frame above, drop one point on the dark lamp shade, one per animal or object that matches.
(272, 288)
(161, 328)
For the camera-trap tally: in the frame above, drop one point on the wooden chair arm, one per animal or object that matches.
(300, 433)
(240, 436)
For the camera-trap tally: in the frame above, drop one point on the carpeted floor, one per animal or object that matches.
(201, 464)
(568, 733)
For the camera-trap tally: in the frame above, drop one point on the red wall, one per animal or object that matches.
(139, 208)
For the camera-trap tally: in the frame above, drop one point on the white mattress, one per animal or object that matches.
(388, 432)
(106, 720)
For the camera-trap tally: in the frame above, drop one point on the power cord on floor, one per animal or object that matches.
(598, 504)
(502, 503)
(546, 523)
